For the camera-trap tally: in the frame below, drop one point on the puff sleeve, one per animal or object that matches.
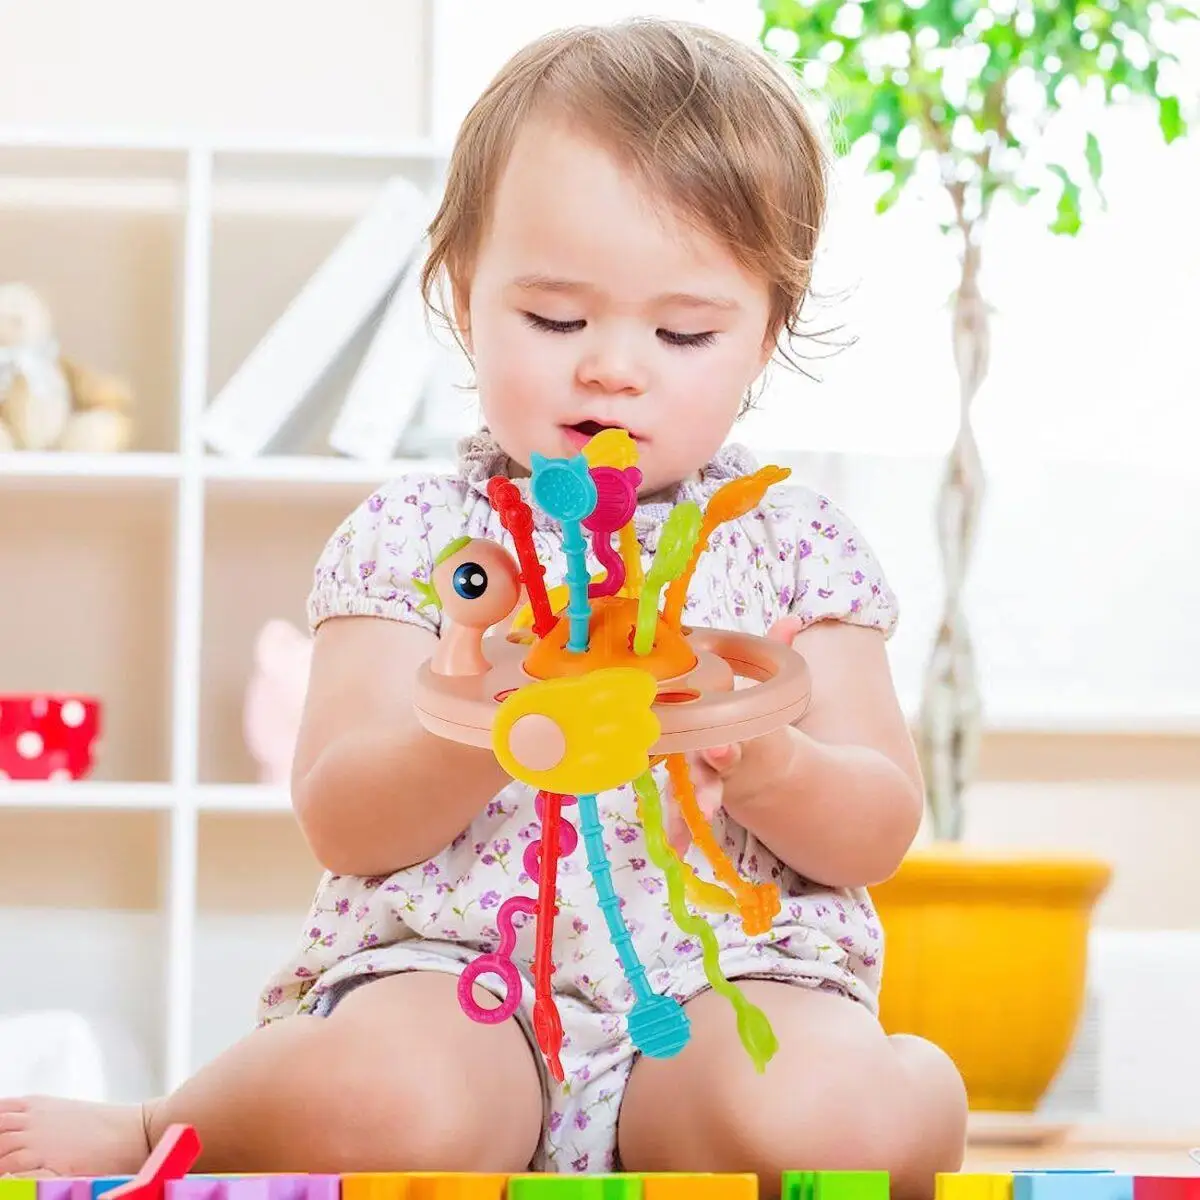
(371, 562)
(836, 574)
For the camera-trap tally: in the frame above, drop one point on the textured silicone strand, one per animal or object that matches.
(579, 611)
(547, 1024)
(753, 1028)
(757, 903)
(611, 561)
(498, 963)
(610, 905)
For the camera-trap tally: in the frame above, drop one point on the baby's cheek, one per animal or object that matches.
(525, 380)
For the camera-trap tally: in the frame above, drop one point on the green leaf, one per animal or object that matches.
(1094, 160)
(1170, 119)
(1095, 165)
(1068, 217)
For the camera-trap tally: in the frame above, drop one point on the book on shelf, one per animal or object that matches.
(386, 391)
(337, 301)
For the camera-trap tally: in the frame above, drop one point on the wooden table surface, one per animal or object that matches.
(1004, 1143)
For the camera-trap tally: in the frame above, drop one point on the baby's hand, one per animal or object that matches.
(707, 769)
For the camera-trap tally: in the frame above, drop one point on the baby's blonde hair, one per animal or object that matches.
(711, 125)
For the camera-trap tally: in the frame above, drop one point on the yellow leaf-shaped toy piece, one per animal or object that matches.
(578, 735)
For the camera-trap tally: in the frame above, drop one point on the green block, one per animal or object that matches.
(835, 1185)
(574, 1187)
(18, 1189)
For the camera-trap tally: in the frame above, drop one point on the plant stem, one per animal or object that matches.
(949, 721)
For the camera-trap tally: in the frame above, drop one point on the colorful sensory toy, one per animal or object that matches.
(593, 685)
(166, 1176)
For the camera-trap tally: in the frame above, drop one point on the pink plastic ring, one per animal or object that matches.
(490, 964)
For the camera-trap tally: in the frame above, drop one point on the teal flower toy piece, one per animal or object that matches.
(564, 490)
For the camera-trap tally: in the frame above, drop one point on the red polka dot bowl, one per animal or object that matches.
(48, 735)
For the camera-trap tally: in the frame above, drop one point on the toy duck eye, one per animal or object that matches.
(470, 581)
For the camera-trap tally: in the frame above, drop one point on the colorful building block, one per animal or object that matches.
(699, 1187)
(1166, 1187)
(1071, 1185)
(65, 1189)
(575, 1187)
(966, 1185)
(165, 1176)
(110, 1183)
(18, 1189)
(420, 1185)
(256, 1187)
(835, 1185)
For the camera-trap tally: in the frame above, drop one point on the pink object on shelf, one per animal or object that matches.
(275, 698)
(48, 735)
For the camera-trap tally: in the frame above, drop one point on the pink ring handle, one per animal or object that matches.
(499, 963)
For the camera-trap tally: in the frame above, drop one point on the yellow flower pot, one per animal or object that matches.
(986, 956)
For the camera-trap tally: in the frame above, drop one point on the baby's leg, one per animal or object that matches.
(838, 1095)
(397, 1078)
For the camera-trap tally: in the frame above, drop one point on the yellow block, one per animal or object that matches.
(18, 1189)
(967, 1186)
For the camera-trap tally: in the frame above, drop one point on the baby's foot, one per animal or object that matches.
(46, 1135)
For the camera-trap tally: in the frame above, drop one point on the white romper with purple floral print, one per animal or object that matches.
(794, 555)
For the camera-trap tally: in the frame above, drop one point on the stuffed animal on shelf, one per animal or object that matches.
(48, 402)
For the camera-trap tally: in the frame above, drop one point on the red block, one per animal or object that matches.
(1166, 1187)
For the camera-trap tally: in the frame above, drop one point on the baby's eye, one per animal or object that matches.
(549, 326)
(470, 581)
(686, 339)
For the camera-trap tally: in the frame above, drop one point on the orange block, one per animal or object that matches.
(699, 1187)
(423, 1185)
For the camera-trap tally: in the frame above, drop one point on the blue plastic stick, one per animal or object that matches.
(658, 1025)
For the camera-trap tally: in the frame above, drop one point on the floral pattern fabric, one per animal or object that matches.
(797, 555)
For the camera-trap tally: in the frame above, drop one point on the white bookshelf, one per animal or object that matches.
(142, 577)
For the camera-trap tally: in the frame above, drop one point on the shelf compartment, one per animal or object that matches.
(256, 878)
(80, 917)
(88, 602)
(98, 235)
(260, 554)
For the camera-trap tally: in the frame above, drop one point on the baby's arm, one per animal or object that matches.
(372, 790)
(839, 795)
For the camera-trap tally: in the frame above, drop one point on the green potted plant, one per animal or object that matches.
(986, 953)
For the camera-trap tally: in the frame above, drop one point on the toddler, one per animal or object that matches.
(625, 239)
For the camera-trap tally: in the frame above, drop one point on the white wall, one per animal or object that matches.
(262, 67)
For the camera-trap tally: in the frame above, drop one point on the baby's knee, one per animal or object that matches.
(824, 1119)
(903, 1113)
(938, 1108)
(436, 1122)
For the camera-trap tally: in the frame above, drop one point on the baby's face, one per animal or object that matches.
(592, 305)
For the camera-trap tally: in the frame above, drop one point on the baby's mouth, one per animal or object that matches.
(591, 428)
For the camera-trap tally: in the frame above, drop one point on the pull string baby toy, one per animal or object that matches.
(602, 688)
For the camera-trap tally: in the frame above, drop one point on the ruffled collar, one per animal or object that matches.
(480, 457)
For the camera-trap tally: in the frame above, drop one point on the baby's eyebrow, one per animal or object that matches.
(549, 283)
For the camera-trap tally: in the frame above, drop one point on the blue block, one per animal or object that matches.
(106, 1184)
(1072, 1185)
